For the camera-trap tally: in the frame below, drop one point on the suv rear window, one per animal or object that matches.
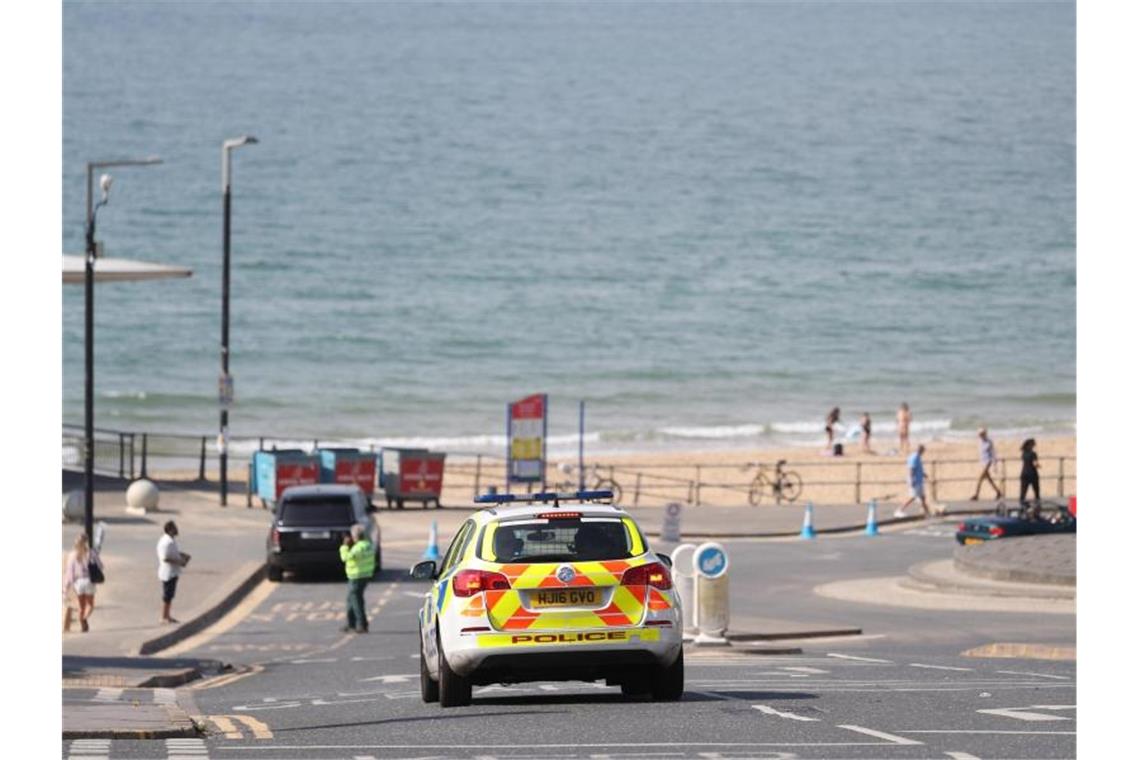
(558, 541)
(317, 510)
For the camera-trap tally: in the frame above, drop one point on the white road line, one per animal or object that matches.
(859, 659)
(779, 714)
(1026, 714)
(89, 749)
(880, 734)
(940, 667)
(806, 670)
(309, 662)
(1038, 675)
(995, 733)
(962, 756)
(391, 679)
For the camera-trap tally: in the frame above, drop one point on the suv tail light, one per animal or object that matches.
(276, 538)
(653, 574)
(470, 582)
(997, 530)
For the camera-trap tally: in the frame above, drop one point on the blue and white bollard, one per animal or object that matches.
(808, 531)
(872, 519)
(432, 551)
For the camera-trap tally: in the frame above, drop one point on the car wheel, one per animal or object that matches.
(635, 688)
(454, 689)
(275, 573)
(669, 683)
(429, 689)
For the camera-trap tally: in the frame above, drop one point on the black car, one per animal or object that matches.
(309, 525)
(1052, 518)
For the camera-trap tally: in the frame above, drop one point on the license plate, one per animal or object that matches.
(566, 597)
(314, 534)
(973, 540)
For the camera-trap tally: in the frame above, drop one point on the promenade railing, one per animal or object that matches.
(133, 454)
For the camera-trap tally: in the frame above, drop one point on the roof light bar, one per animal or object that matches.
(545, 496)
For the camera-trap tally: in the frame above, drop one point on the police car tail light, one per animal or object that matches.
(654, 574)
(470, 582)
(997, 530)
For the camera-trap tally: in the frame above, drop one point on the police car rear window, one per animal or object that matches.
(317, 510)
(558, 541)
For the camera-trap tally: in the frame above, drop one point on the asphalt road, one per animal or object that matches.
(901, 690)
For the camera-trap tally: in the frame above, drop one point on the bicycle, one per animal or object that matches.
(601, 482)
(784, 485)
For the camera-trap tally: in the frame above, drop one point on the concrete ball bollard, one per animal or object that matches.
(73, 506)
(142, 497)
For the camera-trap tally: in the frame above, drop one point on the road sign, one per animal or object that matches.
(671, 527)
(526, 439)
(710, 560)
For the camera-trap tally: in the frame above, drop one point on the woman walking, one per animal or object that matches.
(1030, 478)
(77, 577)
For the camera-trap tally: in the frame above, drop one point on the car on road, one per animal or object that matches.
(309, 525)
(1053, 518)
(534, 588)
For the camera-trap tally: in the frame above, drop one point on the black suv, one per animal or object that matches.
(309, 525)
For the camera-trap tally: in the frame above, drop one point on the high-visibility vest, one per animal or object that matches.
(359, 560)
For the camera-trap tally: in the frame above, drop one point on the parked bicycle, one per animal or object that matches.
(782, 485)
(595, 480)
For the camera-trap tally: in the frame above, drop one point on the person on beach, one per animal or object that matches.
(359, 558)
(1030, 477)
(916, 478)
(830, 425)
(77, 577)
(988, 458)
(904, 428)
(171, 560)
(865, 423)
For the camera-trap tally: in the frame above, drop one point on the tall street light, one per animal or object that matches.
(89, 332)
(225, 382)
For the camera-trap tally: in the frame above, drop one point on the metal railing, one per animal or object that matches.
(131, 454)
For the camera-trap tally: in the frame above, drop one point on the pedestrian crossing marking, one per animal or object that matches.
(227, 724)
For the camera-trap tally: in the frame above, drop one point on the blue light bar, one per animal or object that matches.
(545, 496)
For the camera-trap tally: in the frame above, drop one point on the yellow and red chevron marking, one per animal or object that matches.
(474, 606)
(658, 601)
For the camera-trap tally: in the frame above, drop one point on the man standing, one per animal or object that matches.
(916, 476)
(170, 564)
(988, 458)
(903, 418)
(359, 560)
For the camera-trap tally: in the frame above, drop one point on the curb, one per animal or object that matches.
(1013, 574)
(206, 619)
(919, 575)
(687, 534)
(171, 680)
(176, 715)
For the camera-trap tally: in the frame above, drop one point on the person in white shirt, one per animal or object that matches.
(170, 564)
(988, 457)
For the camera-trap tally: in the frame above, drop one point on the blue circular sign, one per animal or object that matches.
(710, 560)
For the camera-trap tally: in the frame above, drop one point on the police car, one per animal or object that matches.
(549, 587)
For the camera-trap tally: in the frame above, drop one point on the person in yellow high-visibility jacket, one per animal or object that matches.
(359, 560)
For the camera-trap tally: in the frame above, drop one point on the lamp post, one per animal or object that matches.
(89, 332)
(225, 382)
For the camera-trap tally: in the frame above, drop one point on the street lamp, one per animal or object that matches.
(225, 382)
(89, 333)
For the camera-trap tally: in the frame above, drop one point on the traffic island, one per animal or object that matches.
(127, 721)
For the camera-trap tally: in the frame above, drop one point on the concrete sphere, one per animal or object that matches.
(73, 506)
(142, 494)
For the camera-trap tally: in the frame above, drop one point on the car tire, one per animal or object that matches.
(635, 688)
(429, 689)
(454, 689)
(275, 573)
(669, 683)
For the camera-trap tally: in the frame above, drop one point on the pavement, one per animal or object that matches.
(227, 545)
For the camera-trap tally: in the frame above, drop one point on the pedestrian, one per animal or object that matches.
(77, 577)
(171, 560)
(904, 428)
(865, 423)
(988, 458)
(1030, 478)
(830, 425)
(916, 477)
(359, 559)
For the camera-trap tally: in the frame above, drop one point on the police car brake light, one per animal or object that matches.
(560, 515)
(653, 574)
(470, 582)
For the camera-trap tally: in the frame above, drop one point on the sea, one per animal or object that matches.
(710, 222)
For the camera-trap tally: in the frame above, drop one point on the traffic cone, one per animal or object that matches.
(432, 551)
(872, 520)
(808, 530)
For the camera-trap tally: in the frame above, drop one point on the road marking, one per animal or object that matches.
(313, 661)
(773, 711)
(806, 670)
(324, 702)
(880, 734)
(860, 659)
(272, 706)
(940, 667)
(979, 732)
(228, 678)
(1038, 675)
(90, 749)
(1024, 713)
(391, 679)
(186, 749)
(225, 723)
(108, 695)
(961, 756)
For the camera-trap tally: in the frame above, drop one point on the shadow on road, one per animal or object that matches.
(435, 716)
